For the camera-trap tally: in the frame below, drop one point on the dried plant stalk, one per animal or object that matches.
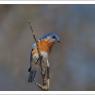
(43, 67)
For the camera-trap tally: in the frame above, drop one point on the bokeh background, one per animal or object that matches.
(72, 63)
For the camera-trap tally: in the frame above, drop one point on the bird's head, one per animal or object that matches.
(54, 37)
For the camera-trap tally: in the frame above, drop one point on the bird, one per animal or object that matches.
(45, 44)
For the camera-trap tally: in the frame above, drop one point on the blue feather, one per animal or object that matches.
(50, 35)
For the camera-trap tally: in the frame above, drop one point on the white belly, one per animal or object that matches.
(36, 56)
(43, 54)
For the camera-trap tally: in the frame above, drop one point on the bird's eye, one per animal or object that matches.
(54, 37)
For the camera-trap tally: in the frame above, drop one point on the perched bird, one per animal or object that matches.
(45, 44)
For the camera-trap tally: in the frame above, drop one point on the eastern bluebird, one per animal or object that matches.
(45, 44)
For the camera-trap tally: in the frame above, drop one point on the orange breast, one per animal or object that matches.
(44, 45)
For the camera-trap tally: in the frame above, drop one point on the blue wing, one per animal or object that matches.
(47, 35)
(32, 72)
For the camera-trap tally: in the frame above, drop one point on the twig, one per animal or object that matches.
(35, 39)
(40, 58)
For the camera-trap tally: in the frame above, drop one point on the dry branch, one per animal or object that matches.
(45, 75)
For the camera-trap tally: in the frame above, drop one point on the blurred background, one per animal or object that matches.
(72, 63)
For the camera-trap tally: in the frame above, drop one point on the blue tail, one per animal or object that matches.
(32, 74)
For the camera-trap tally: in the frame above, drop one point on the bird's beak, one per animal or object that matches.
(59, 42)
